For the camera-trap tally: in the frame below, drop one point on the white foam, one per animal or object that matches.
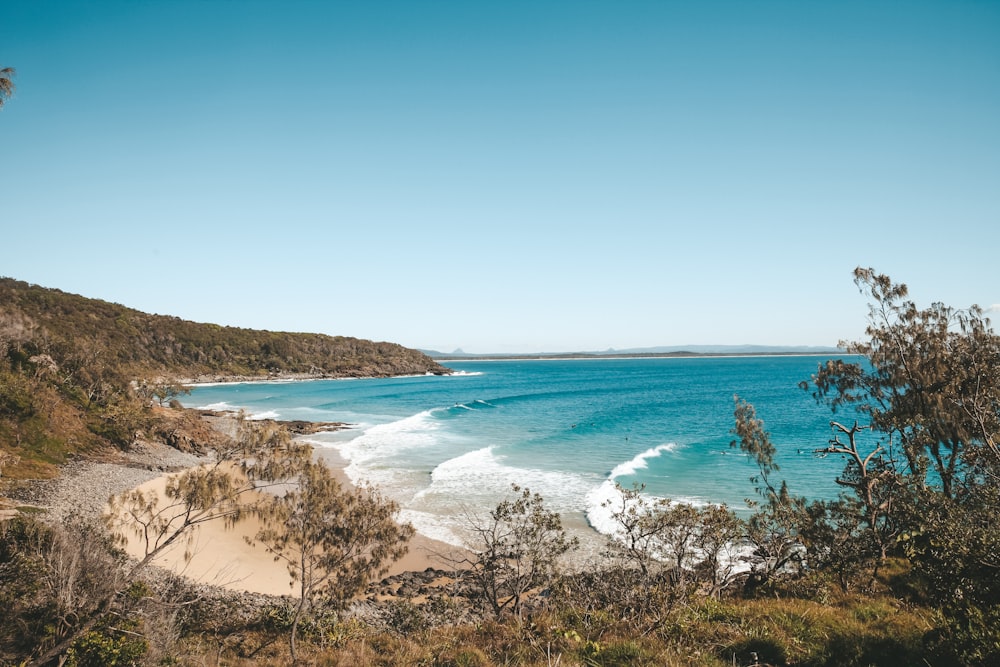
(229, 407)
(432, 526)
(483, 478)
(606, 499)
(465, 373)
(641, 461)
(371, 453)
(222, 406)
(267, 414)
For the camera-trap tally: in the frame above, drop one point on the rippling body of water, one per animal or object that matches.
(445, 447)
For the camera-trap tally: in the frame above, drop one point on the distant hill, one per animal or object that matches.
(79, 375)
(673, 351)
(144, 345)
(731, 349)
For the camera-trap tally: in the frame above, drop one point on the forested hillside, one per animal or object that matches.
(148, 345)
(77, 374)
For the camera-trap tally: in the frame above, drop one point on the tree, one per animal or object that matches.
(717, 541)
(932, 381)
(700, 542)
(6, 84)
(954, 546)
(929, 387)
(519, 549)
(652, 531)
(163, 392)
(871, 479)
(773, 529)
(334, 541)
(50, 576)
(225, 490)
(636, 538)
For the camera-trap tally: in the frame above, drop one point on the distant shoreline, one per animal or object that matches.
(629, 355)
(288, 378)
(219, 380)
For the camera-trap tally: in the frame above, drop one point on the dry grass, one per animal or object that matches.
(851, 630)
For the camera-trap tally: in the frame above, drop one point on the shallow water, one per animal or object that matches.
(447, 447)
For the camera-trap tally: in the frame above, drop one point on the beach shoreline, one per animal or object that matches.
(216, 380)
(221, 557)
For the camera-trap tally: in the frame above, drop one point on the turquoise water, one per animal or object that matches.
(446, 447)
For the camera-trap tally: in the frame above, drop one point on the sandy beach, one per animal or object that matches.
(223, 557)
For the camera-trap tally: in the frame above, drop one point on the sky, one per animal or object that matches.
(505, 176)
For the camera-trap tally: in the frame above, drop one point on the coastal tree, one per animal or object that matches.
(870, 478)
(696, 542)
(854, 534)
(162, 392)
(518, 549)
(333, 540)
(225, 490)
(49, 577)
(635, 538)
(6, 84)
(931, 381)
(773, 528)
(927, 388)
(716, 542)
(652, 531)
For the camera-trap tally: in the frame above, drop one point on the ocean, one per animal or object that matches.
(448, 448)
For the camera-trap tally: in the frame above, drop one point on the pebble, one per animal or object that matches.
(84, 487)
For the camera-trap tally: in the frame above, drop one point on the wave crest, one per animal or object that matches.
(641, 461)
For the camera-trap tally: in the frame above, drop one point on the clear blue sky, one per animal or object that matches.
(505, 176)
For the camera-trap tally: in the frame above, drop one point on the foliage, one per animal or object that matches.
(954, 545)
(519, 547)
(929, 390)
(6, 84)
(773, 529)
(105, 647)
(163, 392)
(334, 541)
(78, 374)
(225, 490)
(222, 491)
(52, 578)
(932, 382)
(696, 543)
(86, 334)
(717, 542)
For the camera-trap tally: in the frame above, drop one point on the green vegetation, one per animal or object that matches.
(521, 543)
(900, 570)
(334, 541)
(6, 84)
(95, 339)
(78, 375)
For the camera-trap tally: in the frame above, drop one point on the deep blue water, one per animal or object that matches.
(447, 446)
